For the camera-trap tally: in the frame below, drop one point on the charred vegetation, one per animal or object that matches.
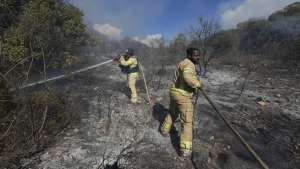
(83, 120)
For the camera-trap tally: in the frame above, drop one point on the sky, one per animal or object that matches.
(144, 20)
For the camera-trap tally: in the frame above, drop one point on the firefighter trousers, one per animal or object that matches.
(131, 80)
(183, 107)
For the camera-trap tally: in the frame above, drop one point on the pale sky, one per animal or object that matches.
(144, 20)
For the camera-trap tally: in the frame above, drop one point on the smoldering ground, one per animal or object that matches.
(115, 134)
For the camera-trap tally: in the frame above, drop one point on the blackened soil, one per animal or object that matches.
(262, 106)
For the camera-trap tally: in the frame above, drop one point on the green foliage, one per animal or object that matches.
(36, 35)
(8, 13)
(5, 98)
(37, 117)
(223, 42)
(276, 36)
(178, 47)
(291, 10)
(253, 35)
(50, 32)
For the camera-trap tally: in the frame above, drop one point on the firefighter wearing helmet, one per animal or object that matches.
(129, 65)
(181, 101)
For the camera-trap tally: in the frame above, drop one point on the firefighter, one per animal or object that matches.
(181, 100)
(129, 65)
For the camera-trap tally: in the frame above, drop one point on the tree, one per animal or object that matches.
(253, 35)
(178, 47)
(224, 43)
(286, 30)
(274, 38)
(36, 35)
(290, 10)
(158, 60)
(200, 37)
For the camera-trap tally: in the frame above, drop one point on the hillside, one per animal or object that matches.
(84, 120)
(288, 11)
(113, 133)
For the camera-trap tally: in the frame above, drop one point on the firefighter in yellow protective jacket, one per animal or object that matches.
(129, 65)
(181, 100)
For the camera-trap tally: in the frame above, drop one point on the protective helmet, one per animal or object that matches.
(130, 51)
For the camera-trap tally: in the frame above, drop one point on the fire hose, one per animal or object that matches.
(234, 130)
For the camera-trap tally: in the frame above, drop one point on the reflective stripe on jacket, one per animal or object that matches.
(185, 79)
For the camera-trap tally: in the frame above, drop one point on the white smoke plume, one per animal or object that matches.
(109, 30)
(248, 9)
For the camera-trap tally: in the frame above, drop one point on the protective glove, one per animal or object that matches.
(201, 86)
(117, 59)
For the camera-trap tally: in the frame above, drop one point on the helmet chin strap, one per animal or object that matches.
(127, 56)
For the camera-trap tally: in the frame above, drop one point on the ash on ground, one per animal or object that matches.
(262, 106)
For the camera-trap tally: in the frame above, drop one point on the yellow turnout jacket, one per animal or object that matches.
(185, 79)
(130, 65)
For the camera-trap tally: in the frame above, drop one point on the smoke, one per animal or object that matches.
(109, 30)
(132, 17)
(149, 39)
(115, 33)
(245, 10)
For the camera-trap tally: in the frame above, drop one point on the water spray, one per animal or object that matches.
(62, 76)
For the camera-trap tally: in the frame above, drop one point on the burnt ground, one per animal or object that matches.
(115, 134)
